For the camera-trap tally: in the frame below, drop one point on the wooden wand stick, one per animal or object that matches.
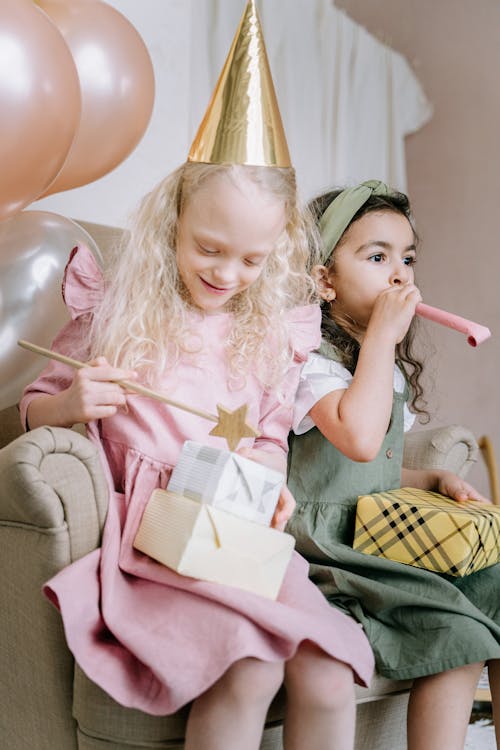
(230, 425)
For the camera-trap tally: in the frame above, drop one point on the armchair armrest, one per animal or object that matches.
(452, 447)
(53, 501)
(51, 478)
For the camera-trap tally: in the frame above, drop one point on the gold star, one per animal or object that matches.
(232, 426)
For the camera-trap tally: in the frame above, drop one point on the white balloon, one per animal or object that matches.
(34, 249)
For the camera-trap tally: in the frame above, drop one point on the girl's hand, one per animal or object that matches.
(284, 509)
(394, 309)
(451, 485)
(92, 394)
(286, 501)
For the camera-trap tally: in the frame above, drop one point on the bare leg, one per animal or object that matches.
(321, 710)
(440, 707)
(494, 678)
(231, 714)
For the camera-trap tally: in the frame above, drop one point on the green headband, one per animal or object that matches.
(341, 210)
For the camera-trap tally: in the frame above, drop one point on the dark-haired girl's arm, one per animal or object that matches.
(444, 482)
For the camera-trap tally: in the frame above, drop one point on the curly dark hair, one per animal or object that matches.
(335, 329)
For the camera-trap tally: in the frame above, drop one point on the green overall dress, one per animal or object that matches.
(417, 622)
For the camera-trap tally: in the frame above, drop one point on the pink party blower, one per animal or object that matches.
(475, 333)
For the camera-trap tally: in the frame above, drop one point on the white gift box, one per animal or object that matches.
(227, 481)
(201, 541)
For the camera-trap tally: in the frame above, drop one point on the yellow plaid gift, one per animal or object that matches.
(428, 530)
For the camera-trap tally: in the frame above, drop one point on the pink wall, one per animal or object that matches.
(454, 184)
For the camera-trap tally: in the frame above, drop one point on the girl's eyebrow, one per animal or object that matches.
(384, 246)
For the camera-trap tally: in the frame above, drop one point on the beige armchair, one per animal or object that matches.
(53, 501)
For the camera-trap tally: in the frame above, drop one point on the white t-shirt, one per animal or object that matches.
(320, 376)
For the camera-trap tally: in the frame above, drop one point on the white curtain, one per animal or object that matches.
(347, 100)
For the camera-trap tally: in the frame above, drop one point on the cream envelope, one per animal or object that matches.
(201, 541)
(226, 481)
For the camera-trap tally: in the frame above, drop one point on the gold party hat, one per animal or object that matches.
(242, 124)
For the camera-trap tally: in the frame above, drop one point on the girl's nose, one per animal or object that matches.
(224, 273)
(399, 275)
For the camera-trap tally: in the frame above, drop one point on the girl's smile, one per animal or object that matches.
(214, 289)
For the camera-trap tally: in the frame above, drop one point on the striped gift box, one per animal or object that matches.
(227, 481)
(428, 530)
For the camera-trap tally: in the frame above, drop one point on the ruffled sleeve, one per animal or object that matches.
(82, 290)
(305, 330)
(319, 377)
(276, 409)
(83, 284)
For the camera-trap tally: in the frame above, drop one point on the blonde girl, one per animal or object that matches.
(208, 300)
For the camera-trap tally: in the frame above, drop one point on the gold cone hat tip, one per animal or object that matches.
(242, 124)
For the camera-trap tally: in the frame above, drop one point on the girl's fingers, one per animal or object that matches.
(111, 397)
(284, 508)
(400, 294)
(408, 293)
(471, 494)
(94, 399)
(100, 369)
(106, 372)
(101, 412)
(460, 491)
(414, 295)
(103, 393)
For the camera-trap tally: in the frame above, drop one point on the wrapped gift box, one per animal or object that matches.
(428, 530)
(202, 541)
(227, 481)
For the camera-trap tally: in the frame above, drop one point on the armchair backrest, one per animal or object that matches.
(10, 425)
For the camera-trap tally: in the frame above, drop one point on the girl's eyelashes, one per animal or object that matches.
(207, 250)
(408, 260)
(257, 261)
(210, 251)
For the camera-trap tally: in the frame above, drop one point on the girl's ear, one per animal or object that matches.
(324, 285)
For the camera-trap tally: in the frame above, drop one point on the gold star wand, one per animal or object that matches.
(231, 425)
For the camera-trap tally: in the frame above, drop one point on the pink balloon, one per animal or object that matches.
(39, 103)
(117, 86)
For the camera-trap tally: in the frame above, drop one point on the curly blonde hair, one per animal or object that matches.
(146, 320)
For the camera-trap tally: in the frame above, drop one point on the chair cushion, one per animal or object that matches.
(101, 717)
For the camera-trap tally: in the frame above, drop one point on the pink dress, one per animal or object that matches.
(153, 639)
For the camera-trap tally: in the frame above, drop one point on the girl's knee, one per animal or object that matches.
(318, 680)
(253, 680)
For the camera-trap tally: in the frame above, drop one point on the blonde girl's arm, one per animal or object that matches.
(90, 395)
(286, 501)
(355, 420)
(271, 447)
